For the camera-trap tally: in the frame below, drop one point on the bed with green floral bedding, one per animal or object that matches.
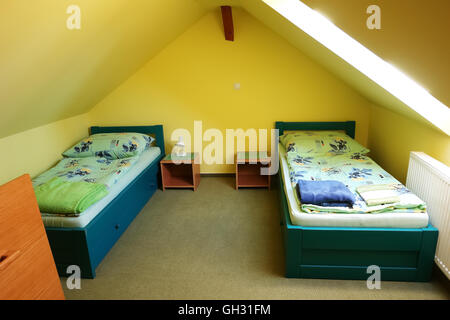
(90, 169)
(335, 156)
(331, 245)
(82, 181)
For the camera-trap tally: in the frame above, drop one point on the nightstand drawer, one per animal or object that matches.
(31, 274)
(27, 268)
(23, 226)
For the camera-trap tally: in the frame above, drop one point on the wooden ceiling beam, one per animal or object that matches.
(227, 19)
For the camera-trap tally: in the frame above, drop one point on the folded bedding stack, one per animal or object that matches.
(374, 195)
(59, 196)
(324, 156)
(328, 193)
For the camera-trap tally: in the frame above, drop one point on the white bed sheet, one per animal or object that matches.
(144, 160)
(378, 220)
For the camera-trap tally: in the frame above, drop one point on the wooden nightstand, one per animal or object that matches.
(180, 172)
(248, 170)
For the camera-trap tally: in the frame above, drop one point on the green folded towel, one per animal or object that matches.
(378, 194)
(59, 196)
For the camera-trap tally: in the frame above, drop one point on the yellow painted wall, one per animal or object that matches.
(392, 137)
(36, 150)
(49, 73)
(193, 79)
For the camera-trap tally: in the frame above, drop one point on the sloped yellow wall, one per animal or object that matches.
(392, 137)
(36, 150)
(402, 41)
(193, 79)
(49, 73)
(413, 36)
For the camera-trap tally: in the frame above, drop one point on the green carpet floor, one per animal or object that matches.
(219, 243)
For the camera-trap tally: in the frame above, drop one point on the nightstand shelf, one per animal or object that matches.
(248, 170)
(180, 172)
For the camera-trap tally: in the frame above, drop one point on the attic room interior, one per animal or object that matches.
(224, 150)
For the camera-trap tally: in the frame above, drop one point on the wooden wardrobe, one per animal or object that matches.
(27, 268)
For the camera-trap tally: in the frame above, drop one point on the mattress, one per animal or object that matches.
(378, 220)
(144, 160)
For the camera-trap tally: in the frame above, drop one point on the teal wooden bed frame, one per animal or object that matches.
(345, 253)
(86, 247)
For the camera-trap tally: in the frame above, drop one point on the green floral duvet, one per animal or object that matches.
(90, 169)
(353, 169)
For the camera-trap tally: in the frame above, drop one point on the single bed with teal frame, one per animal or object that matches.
(86, 247)
(346, 253)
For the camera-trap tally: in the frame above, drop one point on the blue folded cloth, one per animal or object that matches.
(328, 193)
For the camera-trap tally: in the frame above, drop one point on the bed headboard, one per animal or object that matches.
(157, 130)
(347, 126)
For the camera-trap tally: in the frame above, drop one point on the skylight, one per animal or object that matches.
(384, 74)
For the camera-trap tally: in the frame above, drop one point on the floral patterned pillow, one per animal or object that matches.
(111, 145)
(320, 142)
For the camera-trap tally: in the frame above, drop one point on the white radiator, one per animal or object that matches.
(430, 180)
